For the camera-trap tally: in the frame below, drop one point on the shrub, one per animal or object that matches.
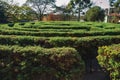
(22, 23)
(95, 14)
(61, 34)
(109, 57)
(11, 24)
(32, 23)
(18, 63)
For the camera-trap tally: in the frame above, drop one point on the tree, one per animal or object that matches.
(3, 11)
(17, 13)
(40, 6)
(95, 14)
(13, 13)
(26, 13)
(112, 2)
(80, 5)
(117, 3)
(114, 11)
(64, 11)
(117, 6)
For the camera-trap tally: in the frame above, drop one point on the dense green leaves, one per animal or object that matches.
(52, 49)
(60, 34)
(79, 6)
(95, 14)
(109, 57)
(3, 11)
(78, 43)
(20, 61)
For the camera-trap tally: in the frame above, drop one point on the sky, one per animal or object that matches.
(58, 2)
(103, 3)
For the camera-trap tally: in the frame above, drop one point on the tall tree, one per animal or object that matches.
(18, 13)
(114, 3)
(95, 14)
(3, 11)
(79, 5)
(117, 6)
(64, 11)
(26, 13)
(111, 2)
(40, 6)
(117, 3)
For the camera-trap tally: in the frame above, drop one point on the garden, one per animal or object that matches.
(57, 49)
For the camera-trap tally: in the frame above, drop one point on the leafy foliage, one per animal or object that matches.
(109, 57)
(40, 6)
(79, 5)
(59, 57)
(95, 14)
(11, 24)
(117, 6)
(3, 11)
(22, 23)
(25, 62)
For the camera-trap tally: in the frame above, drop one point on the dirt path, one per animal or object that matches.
(95, 72)
(100, 75)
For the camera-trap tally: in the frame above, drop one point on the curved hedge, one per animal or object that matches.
(56, 27)
(60, 34)
(109, 57)
(41, 30)
(86, 46)
(31, 62)
(58, 41)
(25, 63)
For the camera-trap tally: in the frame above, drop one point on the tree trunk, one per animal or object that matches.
(40, 17)
(78, 15)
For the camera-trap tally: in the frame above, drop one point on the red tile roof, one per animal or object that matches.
(114, 14)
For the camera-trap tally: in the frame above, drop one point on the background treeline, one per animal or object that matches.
(47, 10)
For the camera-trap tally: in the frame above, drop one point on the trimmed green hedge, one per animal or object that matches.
(42, 30)
(82, 45)
(56, 27)
(64, 34)
(22, 23)
(24, 63)
(58, 41)
(109, 57)
(11, 24)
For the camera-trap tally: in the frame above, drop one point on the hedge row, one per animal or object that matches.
(25, 63)
(65, 34)
(43, 30)
(86, 46)
(58, 30)
(56, 27)
(89, 28)
(58, 41)
(109, 57)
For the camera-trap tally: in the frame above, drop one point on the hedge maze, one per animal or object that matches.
(57, 50)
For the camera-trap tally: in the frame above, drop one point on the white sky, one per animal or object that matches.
(58, 2)
(102, 3)
(62, 2)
